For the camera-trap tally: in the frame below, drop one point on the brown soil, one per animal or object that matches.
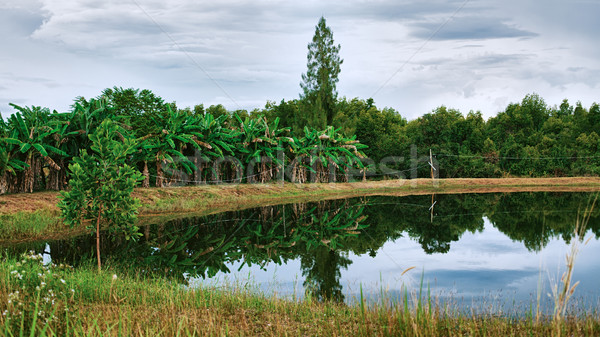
(244, 195)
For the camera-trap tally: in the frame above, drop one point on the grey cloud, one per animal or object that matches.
(498, 60)
(468, 28)
(257, 49)
(20, 22)
(559, 78)
(466, 46)
(479, 61)
(394, 10)
(9, 77)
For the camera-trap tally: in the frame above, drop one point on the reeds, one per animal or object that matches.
(563, 290)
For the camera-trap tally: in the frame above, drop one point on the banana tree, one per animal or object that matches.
(171, 136)
(214, 141)
(85, 117)
(261, 147)
(31, 128)
(9, 164)
(66, 139)
(322, 153)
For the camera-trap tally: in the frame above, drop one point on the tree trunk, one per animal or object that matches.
(27, 175)
(332, 172)
(294, 170)
(146, 182)
(159, 174)
(98, 238)
(4, 183)
(54, 181)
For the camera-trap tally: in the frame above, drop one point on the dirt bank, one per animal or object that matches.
(215, 197)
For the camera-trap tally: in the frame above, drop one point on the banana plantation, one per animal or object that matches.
(173, 147)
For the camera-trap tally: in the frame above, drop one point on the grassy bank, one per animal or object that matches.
(42, 300)
(29, 217)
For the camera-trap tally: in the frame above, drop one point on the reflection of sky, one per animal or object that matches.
(485, 267)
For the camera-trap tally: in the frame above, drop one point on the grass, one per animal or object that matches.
(23, 224)
(88, 303)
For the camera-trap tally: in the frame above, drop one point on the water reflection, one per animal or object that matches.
(367, 238)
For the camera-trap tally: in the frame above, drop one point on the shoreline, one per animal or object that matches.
(197, 198)
(19, 211)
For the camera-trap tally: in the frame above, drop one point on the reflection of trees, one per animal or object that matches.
(322, 268)
(535, 218)
(204, 246)
(391, 217)
(453, 215)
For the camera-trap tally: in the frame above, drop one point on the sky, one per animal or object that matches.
(409, 55)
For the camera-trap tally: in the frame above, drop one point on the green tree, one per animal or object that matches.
(319, 93)
(137, 107)
(31, 129)
(101, 185)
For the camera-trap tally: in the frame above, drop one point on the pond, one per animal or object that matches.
(496, 252)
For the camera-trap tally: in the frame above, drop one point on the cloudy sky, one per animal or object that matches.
(410, 55)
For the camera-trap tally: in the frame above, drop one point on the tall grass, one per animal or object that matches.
(102, 304)
(563, 290)
(25, 224)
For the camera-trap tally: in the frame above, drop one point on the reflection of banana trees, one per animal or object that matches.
(322, 234)
(205, 246)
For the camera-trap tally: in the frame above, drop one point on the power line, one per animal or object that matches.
(185, 52)
(421, 47)
(514, 158)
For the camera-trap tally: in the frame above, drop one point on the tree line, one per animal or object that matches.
(171, 145)
(529, 138)
(210, 145)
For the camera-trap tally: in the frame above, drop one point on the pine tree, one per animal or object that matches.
(319, 94)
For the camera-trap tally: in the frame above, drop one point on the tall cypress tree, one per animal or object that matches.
(319, 94)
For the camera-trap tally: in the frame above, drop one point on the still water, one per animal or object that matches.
(482, 252)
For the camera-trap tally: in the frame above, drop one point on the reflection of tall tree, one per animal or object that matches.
(321, 268)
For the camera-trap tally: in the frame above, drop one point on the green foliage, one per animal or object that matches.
(101, 185)
(319, 94)
(137, 107)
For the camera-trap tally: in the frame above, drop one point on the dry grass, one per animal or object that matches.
(207, 196)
